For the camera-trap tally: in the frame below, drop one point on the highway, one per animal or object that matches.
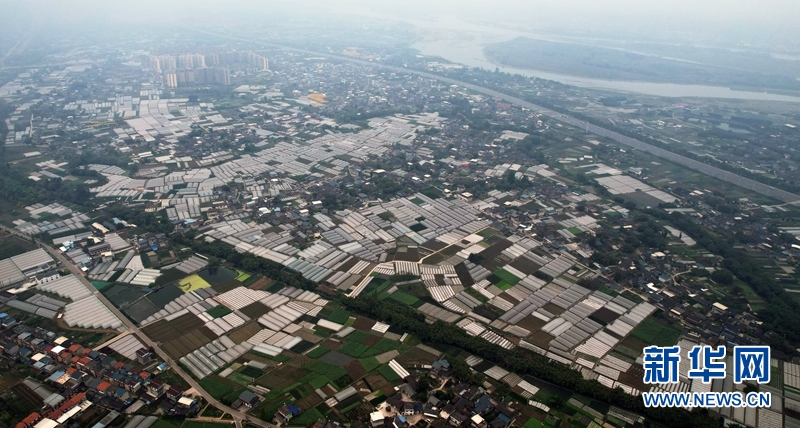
(709, 170)
(129, 325)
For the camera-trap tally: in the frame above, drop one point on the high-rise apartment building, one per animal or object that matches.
(191, 61)
(171, 79)
(167, 62)
(155, 64)
(223, 76)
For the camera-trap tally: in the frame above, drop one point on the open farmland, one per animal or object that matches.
(355, 370)
(181, 335)
(218, 387)
(188, 342)
(246, 331)
(656, 333)
(163, 330)
(281, 377)
(336, 358)
(416, 356)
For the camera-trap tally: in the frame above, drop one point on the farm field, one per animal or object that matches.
(192, 282)
(656, 333)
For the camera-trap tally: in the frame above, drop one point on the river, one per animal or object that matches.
(463, 43)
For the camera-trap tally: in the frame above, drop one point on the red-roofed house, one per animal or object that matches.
(29, 421)
(103, 386)
(84, 361)
(70, 403)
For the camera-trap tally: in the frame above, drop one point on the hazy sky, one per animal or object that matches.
(734, 20)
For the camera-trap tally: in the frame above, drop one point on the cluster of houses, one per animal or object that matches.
(469, 406)
(92, 375)
(686, 302)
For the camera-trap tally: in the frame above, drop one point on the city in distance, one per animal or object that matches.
(399, 214)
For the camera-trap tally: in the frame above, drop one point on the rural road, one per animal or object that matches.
(174, 366)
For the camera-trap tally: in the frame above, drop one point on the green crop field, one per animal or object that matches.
(403, 298)
(307, 417)
(388, 373)
(339, 316)
(369, 364)
(656, 333)
(386, 345)
(219, 311)
(215, 388)
(318, 352)
(506, 276)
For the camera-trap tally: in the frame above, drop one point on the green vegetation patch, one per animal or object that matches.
(385, 345)
(253, 278)
(533, 423)
(383, 286)
(388, 216)
(251, 371)
(656, 333)
(388, 373)
(319, 381)
(506, 276)
(403, 297)
(357, 336)
(419, 227)
(8, 248)
(330, 370)
(485, 233)
(307, 417)
(219, 311)
(608, 291)
(276, 287)
(339, 316)
(99, 285)
(504, 285)
(243, 276)
(476, 294)
(301, 347)
(318, 352)
(432, 192)
(353, 349)
(240, 378)
(217, 387)
(168, 423)
(369, 364)
(204, 424)
(322, 332)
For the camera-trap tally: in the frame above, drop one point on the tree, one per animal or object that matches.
(475, 258)
(425, 383)
(461, 370)
(722, 276)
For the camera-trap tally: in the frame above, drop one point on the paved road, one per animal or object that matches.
(712, 171)
(129, 325)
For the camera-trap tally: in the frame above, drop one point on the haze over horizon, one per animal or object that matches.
(769, 23)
